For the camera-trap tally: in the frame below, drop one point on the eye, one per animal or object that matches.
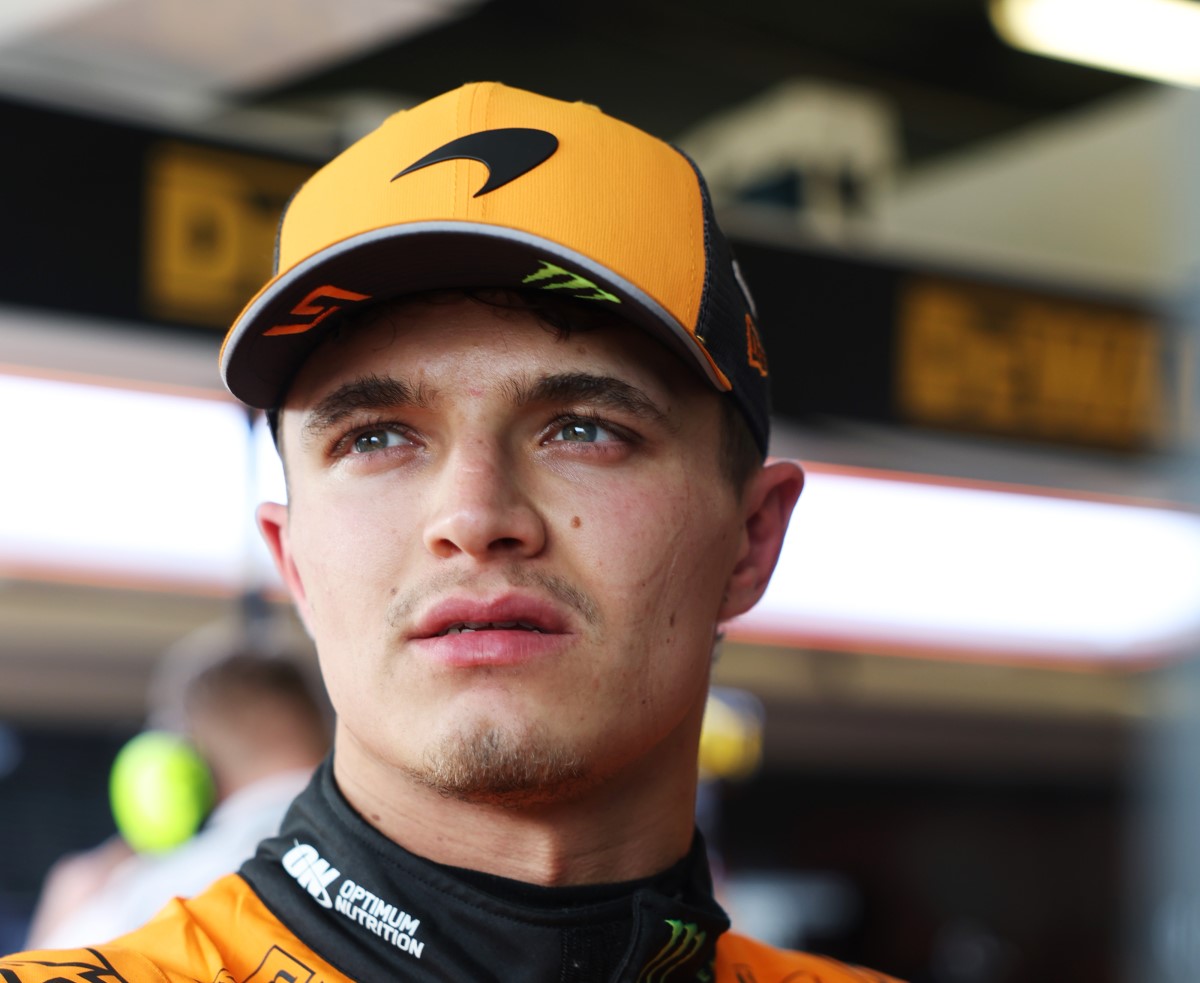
(583, 432)
(378, 439)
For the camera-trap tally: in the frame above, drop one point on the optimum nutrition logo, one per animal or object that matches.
(311, 871)
(388, 921)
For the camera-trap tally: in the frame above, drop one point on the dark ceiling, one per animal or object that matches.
(666, 64)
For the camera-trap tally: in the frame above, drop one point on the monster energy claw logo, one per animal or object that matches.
(685, 941)
(551, 277)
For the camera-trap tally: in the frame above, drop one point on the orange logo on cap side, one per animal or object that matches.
(756, 355)
(310, 308)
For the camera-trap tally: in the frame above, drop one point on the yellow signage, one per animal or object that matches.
(211, 218)
(1021, 364)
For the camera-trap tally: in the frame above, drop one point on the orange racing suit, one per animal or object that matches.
(331, 900)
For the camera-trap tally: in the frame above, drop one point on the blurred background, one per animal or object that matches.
(960, 736)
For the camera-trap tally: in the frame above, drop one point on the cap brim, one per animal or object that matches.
(404, 259)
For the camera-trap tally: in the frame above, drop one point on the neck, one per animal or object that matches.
(623, 827)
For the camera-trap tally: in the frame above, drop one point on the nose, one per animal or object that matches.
(482, 510)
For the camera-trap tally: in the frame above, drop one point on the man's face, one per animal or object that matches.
(511, 548)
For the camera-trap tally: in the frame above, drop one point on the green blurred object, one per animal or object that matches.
(160, 790)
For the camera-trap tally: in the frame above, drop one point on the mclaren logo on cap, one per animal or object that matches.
(507, 153)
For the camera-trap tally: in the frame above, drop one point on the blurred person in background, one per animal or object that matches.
(259, 723)
(521, 400)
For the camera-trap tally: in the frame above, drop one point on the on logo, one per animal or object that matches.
(316, 312)
(311, 871)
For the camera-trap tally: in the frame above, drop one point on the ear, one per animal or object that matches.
(768, 501)
(273, 524)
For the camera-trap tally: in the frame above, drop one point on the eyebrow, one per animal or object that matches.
(371, 392)
(374, 392)
(588, 389)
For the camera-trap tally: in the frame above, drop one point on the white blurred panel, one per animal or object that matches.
(926, 564)
(122, 480)
(130, 483)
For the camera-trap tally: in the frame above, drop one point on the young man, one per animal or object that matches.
(522, 406)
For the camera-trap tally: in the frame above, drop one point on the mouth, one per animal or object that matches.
(515, 614)
(462, 627)
(510, 631)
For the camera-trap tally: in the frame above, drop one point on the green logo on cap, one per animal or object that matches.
(566, 280)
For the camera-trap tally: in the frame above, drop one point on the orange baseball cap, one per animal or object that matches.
(491, 186)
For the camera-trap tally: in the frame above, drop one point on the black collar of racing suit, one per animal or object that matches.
(379, 913)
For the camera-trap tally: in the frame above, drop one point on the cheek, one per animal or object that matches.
(664, 571)
(662, 575)
(341, 555)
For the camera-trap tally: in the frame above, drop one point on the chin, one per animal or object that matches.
(497, 765)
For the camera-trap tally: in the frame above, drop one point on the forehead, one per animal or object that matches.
(466, 339)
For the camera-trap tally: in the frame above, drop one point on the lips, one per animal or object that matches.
(511, 613)
(513, 631)
(463, 627)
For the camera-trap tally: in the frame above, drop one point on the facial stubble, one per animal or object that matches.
(492, 764)
(486, 762)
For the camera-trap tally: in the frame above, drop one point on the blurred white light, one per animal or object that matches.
(197, 50)
(19, 17)
(269, 485)
(122, 483)
(919, 564)
(1153, 39)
